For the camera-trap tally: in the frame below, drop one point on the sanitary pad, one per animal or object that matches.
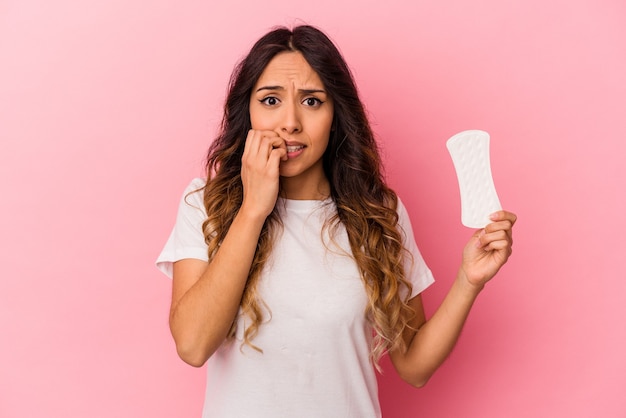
(470, 154)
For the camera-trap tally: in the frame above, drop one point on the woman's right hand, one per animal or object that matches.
(206, 296)
(260, 171)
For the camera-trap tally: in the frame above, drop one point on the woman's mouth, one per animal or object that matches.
(294, 148)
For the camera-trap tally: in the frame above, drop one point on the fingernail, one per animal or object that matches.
(494, 216)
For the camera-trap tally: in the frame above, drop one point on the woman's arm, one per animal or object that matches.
(206, 296)
(427, 348)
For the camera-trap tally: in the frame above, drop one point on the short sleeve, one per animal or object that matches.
(186, 239)
(416, 270)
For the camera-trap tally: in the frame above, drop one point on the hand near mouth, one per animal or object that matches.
(260, 163)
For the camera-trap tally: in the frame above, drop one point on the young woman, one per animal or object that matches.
(294, 264)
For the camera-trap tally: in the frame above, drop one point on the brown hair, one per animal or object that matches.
(366, 206)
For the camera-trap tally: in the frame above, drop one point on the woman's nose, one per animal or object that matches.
(290, 122)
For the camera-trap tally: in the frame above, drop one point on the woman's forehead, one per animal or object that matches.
(289, 70)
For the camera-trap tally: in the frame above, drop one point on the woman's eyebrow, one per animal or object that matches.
(270, 88)
(302, 91)
(311, 91)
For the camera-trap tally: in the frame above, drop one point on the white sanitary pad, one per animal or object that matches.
(470, 154)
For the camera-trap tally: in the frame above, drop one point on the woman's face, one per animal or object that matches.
(290, 99)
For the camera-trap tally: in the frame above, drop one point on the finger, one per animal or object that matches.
(277, 146)
(265, 149)
(269, 140)
(493, 240)
(276, 155)
(503, 246)
(257, 142)
(499, 226)
(499, 246)
(503, 215)
(506, 224)
(248, 144)
(255, 155)
(254, 145)
(478, 236)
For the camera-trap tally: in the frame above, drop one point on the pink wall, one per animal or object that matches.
(106, 109)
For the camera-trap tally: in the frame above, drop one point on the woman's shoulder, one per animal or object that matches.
(394, 200)
(193, 195)
(403, 214)
(195, 188)
(196, 183)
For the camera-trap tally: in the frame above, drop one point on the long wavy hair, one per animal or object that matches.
(366, 206)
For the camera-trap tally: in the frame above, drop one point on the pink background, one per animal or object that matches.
(107, 108)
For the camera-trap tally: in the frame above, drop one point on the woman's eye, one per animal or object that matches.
(312, 101)
(270, 101)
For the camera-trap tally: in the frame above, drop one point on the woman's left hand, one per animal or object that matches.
(488, 249)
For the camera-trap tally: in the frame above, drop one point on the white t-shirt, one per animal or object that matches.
(315, 338)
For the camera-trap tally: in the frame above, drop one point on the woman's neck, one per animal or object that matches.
(298, 188)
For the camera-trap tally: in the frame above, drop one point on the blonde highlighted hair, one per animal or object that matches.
(366, 206)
